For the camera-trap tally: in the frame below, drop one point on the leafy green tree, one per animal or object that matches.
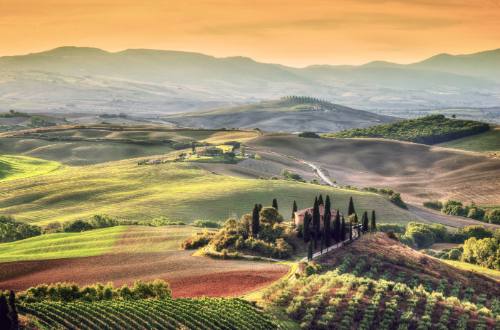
(483, 252)
(269, 216)
(275, 203)
(493, 216)
(476, 231)
(351, 209)
(14, 318)
(373, 226)
(294, 208)
(255, 221)
(5, 322)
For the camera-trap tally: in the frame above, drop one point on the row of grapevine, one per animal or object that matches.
(203, 313)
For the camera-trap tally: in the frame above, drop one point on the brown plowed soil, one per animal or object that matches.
(189, 276)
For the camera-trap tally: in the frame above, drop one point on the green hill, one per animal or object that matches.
(428, 130)
(18, 167)
(178, 191)
(484, 142)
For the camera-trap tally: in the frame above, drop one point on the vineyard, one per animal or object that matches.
(362, 291)
(203, 313)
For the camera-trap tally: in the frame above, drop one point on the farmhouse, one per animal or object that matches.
(298, 217)
(210, 151)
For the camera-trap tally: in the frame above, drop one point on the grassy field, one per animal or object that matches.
(18, 167)
(178, 191)
(474, 268)
(62, 245)
(484, 142)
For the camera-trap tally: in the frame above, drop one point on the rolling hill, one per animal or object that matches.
(78, 79)
(289, 114)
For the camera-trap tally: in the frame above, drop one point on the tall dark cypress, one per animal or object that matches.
(294, 208)
(306, 230)
(309, 251)
(342, 230)
(4, 313)
(327, 219)
(275, 204)
(320, 200)
(255, 221)
(364, 221)
(350, 231)
(351, 209)
(14, 318)
(336, 227)
(316, 222)
(374, 222)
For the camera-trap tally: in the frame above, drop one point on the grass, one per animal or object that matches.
(495, 274)
(178, 191)
(484, 142)
(19, 167)
(62, 245)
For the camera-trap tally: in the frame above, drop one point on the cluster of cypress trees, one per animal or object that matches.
(256, 219)
(9, 319)
(338, 231)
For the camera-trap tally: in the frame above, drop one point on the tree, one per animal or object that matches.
(342, 230)
(316, 222)
(259, 206)
(255, 221)
(351, 209)
(310, 251)
(14, 318)
(4, 313)
(275, 204)
(320, 200)
(374, 222)
(269, 216)
(193, 147)
(294, 208)
(364, 221)
(307, 227)
(336, 227)
(350, 231)
(327, 219)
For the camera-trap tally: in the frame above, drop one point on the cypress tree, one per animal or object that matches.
(307, 227)
(255, 221)
(364, 221)
(259, 207)
(316, 222)
(327, 219)
(336, 227)
(310, 251)
(374, 222)
(320, 200)
(351, 209)
(342, 230)
(294, 208)
(350, 231)
(14, 318)
(4, 313)
(275, 204)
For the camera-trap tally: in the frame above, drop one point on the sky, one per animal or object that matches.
(291, 32)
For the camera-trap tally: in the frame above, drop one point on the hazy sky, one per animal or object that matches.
(294, 32)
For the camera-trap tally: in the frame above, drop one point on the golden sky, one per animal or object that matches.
(294, 32)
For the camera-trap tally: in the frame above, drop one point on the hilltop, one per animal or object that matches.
(289, 114)
(145, 81)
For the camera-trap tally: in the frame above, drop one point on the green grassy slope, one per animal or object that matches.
(179, 191)
(484, 142)
(18, 167)
(62, 245)
(429, 130)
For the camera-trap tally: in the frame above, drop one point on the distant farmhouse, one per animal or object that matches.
(298, 217)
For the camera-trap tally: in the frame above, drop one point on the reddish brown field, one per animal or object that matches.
(189, 276)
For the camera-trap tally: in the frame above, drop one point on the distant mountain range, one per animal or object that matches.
(141, 81)
(289, 114)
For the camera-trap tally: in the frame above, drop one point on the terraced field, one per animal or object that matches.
(178, 191)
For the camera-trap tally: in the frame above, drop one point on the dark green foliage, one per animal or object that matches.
(5, 322)
(373, 226)
(269, 216)
(275, 203)
(364, 221)
(351, 209)
(197, 240)
(435, 205)
(454, 208)
(493, 216)
(316, 222)
(14, 318)
(483, 252)
(478, 232)
(429, 130)
(255, 221)
(350, 231)
(309, 135)
(288, 175)
(294, 208)
(77, 226)
(307, 227)
(327, 219)
(336, 227)
(320, 200)
(343, 230)
(11, 230)
(309, 251)
(206, 224)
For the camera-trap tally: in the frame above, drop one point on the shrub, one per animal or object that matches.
(76, 226)
(197, 241)
(476, 213)
(493, 216)
(102, 221)
(484, 252)
(454, 208)
(422, 235)
(163, 221)
(309, 135)
(206, 224)
(476, 231)
(391, 227)
(11, 230)
(288, 175)
(436, 205)
(53, 227)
